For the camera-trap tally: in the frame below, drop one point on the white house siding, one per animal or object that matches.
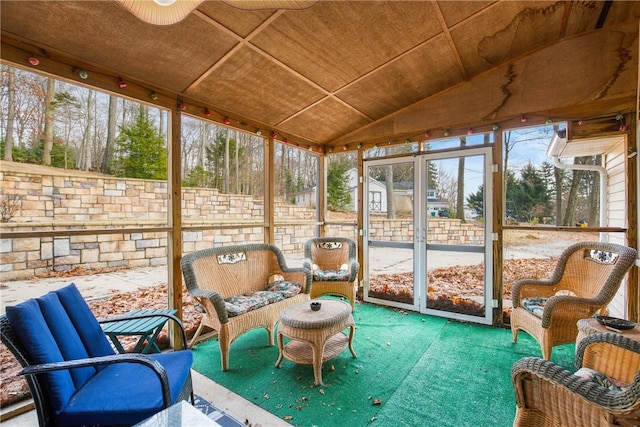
(616, 208)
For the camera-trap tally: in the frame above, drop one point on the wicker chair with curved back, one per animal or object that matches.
(604, 391)
(585, 279)
(333, 265)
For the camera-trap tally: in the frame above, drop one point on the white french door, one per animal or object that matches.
(421, 253)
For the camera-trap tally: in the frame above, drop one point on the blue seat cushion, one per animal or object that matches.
(126, 393)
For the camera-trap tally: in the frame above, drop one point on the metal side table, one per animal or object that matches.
(147, 329)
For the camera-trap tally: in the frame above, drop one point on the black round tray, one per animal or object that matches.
(614, 322)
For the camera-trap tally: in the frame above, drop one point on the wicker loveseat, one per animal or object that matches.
(604, 391)
(242, 287)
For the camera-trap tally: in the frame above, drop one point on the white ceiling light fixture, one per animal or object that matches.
(165, 2)
(160, 12)
(271, 4)
(168, 12)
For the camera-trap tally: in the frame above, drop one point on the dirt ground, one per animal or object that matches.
(545, 235)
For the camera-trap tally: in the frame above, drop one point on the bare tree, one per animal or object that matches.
(460, 192)
(572, 198)
(84, 156)
(68, 116)
(204, 130)
(192, 145)
(107, 159)
(446, 185)
(49, 110)
(593, 194)
(558, 176)
(11, 113)
(391, 206)
(226, 162)
(29, 102)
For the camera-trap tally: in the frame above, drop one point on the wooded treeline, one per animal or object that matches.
(55, 123)
(52, 122)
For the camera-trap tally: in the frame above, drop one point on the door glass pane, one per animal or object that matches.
(455, 252)
(342, 188)
(390, 232)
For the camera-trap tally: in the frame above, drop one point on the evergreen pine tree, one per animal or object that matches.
(338, 195)
(141, 150)
(475, 201)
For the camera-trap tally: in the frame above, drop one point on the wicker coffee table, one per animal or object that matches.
(316, 336)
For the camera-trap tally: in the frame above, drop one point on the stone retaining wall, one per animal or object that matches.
(48, 202)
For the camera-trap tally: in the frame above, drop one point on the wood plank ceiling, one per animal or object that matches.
(340, 73)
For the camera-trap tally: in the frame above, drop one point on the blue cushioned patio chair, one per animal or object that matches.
(73, 373)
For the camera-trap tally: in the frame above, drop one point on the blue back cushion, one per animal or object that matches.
(32, 330)
(59, 326)
(85, 322)
(62, 330)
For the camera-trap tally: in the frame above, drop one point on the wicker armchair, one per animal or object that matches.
(216, 276)
(549, 395)
(586, 278)
(333, 265)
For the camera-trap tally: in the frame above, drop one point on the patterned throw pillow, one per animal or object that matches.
(284, 288)
(275, 278)
(601, 379)
(277, 291)
(535, 305)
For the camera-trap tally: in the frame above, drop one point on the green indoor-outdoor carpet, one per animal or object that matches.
(411, 370)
